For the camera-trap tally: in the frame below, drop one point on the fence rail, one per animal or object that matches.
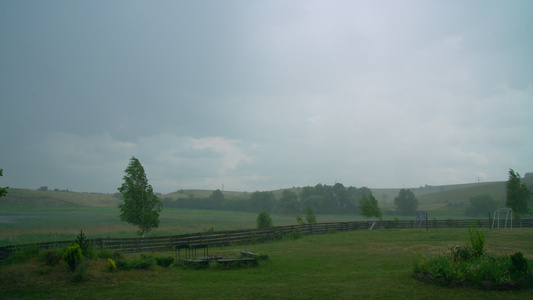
(239, 237)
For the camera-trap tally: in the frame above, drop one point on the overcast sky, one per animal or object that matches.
(261, 95)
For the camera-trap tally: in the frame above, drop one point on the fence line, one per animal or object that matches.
(247, 236)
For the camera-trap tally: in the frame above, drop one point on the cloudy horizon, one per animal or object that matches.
(262, 95)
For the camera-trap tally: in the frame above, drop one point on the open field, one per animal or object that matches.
(29, 216)
(349, 265)
(21, 224)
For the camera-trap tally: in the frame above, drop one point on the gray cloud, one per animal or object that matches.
(263, 95)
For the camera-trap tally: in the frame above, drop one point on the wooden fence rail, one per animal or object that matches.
(247, 236)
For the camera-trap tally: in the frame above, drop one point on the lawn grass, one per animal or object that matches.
(349, 265)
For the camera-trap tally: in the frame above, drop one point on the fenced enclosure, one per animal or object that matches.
(251, 236)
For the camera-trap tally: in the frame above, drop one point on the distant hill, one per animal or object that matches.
(34, 197)
(430, 197)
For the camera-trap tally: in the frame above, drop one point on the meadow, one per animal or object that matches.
(362, 264)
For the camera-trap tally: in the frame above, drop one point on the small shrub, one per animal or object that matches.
(461, 254)
(477, 241)
(111, 266)
(164, 261)
(144, 262)
(518, 267)
(83, 242)
(309, 215)
(73, 256)
(295, 234)
(264, 221)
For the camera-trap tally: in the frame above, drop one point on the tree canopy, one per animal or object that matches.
(141, 206)
(481, 205)
(517, 193)
(406, 203)
(3, 191)
(369, 206)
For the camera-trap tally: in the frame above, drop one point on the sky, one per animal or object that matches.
(262, 95)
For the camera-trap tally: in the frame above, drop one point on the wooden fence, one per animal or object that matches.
(239, 237)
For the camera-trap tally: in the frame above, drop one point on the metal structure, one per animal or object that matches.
(508, 212)
(421, 217)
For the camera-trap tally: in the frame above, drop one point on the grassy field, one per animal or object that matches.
(349, 265)
(29, 216)
(24, 224)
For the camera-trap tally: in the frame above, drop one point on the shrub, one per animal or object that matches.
(472, 265)
(295, 234)
(73, 256)
(111, 266)
(309, 215)
(264, 221)
(164, 261)
(518, 267)
(83, 242)
(144, 262)
(477, 241)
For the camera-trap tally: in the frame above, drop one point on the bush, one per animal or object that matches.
(73, 256)
(144, 262)
(472, 265)
(295, 234)
(477, 241)
(264, 221)
(164, 261)
(83, 242)
(111, 266)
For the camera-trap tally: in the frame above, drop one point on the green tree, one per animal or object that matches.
(406, 202)
(481, 205)
(264, 221)
(309, 215)
(3, 191)
(215, 201)
(141, 206)
(288, 203)
(262, 201)
(369, 206)
(517, 193)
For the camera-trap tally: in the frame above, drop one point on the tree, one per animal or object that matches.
(369, 206)
(3, 191)
(215, 201)
(141, 206)
(406, 202)
(288, 203)
(517, 193)
(262, 201)
(309, 215)
(481, 205)
(264, 221)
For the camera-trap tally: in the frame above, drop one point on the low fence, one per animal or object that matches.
(239, 237)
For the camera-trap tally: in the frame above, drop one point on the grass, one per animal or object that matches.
(40, 223)
(359, 264)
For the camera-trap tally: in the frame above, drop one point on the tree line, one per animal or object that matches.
(142, 206)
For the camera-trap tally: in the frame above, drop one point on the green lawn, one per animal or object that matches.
(350, 265)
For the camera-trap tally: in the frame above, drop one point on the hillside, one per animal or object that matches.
(430, 198)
